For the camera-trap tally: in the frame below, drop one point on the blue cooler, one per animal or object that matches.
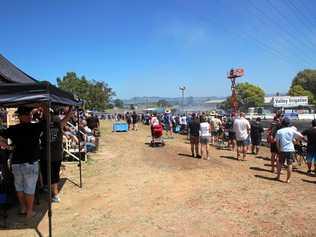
(120, 127)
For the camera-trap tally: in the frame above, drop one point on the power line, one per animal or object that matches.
(285, 19)
(300, 16)
(290, 37)
(305, 16)
(244, 35)
(263, 44)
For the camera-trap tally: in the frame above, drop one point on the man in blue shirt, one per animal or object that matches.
(284, 141)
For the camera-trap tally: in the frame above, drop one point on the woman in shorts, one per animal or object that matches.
(204, 137)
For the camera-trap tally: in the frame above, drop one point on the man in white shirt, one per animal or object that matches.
(241, 128)
(183, 123)
(284, 141)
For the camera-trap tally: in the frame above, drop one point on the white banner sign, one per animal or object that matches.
(289, 101)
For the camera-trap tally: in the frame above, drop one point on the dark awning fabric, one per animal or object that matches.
(9, 73)
(14, 94)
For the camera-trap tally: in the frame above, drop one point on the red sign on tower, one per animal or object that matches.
(238, 72)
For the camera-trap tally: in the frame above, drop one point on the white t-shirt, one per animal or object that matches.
(241, 127)
(183, 120)
(154, 121)
(204, 129)
(216, 122)
(284, 138)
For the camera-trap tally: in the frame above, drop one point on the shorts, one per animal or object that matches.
(248, 140)
(273, 148)
(286, 156)
(204, 140)
(242, 143)
(311, 157)
(25, 177)
(194, 139)
(215, 133)
(231, 135)
(55, 170)
(256, 141)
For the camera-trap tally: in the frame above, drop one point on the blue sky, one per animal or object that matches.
(150, 48)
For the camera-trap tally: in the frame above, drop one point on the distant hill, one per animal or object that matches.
(174, 101)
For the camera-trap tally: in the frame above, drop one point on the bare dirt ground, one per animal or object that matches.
(131, 189)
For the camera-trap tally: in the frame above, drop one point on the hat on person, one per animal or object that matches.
(23, 110)
(286, 121)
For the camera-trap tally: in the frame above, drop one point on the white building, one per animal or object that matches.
(292, 105)
(286, 101)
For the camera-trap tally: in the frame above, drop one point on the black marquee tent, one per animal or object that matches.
(18, 88)
(13, 94)
(9, 73)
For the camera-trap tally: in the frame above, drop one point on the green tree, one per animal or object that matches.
(298, 90)
(307, 79)
(118, 103)
(248, 95)
(163, 103)
(304, 84)
(97, 95)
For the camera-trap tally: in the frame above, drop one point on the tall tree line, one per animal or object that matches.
(96, 95)
(304, 84)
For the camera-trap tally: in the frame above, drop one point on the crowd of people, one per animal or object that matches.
(27, 140)
(246, 135)
(283, 138)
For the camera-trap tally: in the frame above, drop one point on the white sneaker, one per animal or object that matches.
(55, 199)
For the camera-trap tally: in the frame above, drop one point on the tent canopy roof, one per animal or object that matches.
(14, 94)
(9, 73)
(18, 88)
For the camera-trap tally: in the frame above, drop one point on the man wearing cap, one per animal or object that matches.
(311, 147)
(284, 141)
(25, 138)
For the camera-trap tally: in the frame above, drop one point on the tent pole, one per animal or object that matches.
(49, 174)
(80, 168)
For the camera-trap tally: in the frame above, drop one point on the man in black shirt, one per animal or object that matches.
(311, 147)
(56, 143)
(25, 139)
(194, 126)
(256, 135)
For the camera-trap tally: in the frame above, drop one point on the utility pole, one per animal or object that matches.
(182, 89)
(233, 75)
